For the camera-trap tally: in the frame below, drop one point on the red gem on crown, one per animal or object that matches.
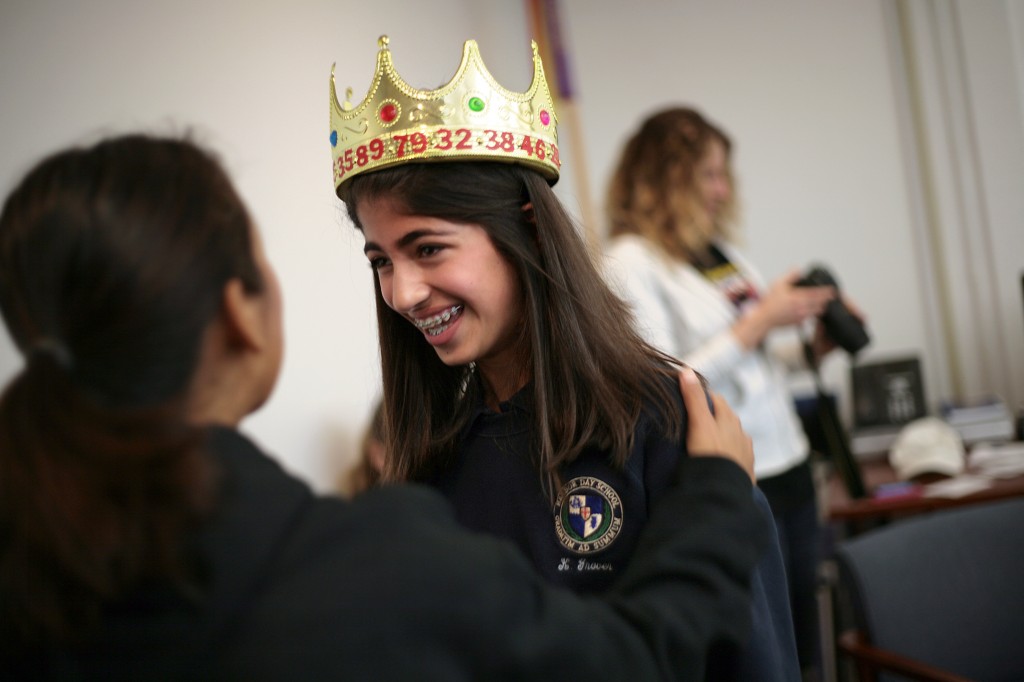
(388, 113)
(545, 117)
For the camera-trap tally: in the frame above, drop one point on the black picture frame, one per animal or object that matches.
(887, 393)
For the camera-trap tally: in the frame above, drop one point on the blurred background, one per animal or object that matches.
(883, 138)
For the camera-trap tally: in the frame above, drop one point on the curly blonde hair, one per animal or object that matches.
(653, 191)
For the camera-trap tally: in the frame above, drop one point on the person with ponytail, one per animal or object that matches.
(143, 536)
(115, 263)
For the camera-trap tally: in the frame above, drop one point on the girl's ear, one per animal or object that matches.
(528, 213)
(243, 316)
(531, 219)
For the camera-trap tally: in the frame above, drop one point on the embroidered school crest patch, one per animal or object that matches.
(588, 515)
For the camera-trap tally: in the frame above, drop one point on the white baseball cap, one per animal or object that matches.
(927, 445)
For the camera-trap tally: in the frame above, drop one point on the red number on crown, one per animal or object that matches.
(444, 139)
(419, 143)
(376, 149)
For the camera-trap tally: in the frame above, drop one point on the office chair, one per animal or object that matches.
(938, 597)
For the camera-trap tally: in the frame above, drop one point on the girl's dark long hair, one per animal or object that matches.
(591, 372)
(112, 263)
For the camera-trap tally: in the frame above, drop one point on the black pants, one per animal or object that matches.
(794, 505)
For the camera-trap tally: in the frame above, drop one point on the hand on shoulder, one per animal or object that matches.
(714, 435)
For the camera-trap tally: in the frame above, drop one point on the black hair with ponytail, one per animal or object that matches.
(113, 259)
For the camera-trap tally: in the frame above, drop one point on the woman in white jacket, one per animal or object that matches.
(671, 205)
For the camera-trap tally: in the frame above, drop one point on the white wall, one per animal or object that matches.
(806, 88)
(251, 78)
(964, 79)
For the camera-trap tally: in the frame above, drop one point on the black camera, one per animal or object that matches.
(840, 324)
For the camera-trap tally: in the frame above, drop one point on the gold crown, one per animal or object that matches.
(470, 118)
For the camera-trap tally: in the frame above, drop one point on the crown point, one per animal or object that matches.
(347, 105)
(382, 42)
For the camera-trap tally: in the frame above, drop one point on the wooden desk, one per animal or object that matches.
(842, 508)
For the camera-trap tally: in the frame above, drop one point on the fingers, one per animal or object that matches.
(695, 397)
(702, 433)
(785, 303)
(811, 301)
(792, 277)
(717, 434)
(736, 444)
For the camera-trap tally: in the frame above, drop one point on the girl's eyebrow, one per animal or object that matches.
(406, 239)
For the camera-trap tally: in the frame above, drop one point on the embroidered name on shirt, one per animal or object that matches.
(588, 515)
(584, 565)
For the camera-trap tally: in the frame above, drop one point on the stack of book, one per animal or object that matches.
(873, 442)
(984, 419)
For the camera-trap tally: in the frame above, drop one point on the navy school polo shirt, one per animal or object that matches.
(583, 539)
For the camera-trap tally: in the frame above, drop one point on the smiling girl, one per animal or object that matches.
(514, 380)
(452, 284)
(509, 367)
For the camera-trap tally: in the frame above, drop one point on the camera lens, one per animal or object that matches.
(840, 324)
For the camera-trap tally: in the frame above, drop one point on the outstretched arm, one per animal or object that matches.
(392, 587)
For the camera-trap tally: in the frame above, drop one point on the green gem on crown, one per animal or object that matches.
(475, 104)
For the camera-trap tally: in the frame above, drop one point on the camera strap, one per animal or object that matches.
(836, 438)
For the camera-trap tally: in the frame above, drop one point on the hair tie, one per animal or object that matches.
(49, 347)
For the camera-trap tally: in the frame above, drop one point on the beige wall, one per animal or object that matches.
(963, 79)
(815, 94)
